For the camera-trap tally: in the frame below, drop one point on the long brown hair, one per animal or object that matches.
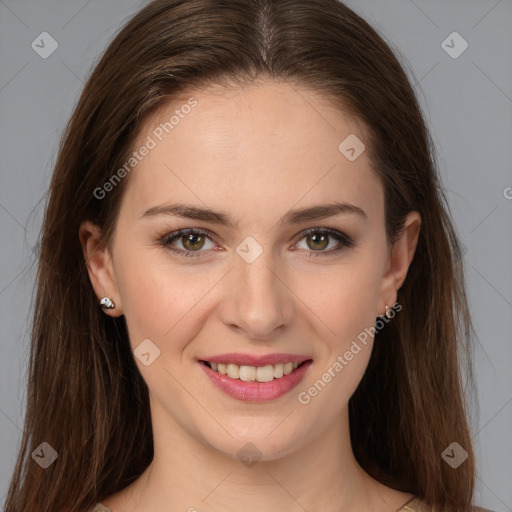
(85, 396)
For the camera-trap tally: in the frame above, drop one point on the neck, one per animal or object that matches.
(188, 475)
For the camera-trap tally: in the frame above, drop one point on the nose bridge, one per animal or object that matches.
(259, 301)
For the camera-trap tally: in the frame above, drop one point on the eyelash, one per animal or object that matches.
(345, 241)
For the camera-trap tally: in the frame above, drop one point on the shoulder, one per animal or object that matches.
(417, 505)
(99, 508)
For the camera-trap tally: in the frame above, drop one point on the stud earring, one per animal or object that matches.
(388, 312)
(107, 303)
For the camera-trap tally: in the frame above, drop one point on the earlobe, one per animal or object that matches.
(98, 261)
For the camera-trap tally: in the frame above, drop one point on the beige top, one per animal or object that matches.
(413, 505)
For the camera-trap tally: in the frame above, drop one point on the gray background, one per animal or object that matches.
(468, 105)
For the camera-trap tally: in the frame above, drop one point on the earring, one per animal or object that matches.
(388, 313)
(107, 303)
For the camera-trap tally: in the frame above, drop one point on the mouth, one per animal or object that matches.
(248, 373)
(268, 378)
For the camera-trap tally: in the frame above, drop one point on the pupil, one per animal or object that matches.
(315, 241)
(191, 239)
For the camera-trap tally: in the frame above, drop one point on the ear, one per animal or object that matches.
(402, 254)
(99, 266)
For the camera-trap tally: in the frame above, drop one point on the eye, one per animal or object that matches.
(191, 240)
(319, 239)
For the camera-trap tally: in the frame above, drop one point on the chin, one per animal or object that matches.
(254, 441)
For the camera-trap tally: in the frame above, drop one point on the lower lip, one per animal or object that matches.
(253, 391)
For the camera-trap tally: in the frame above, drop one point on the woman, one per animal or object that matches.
(250, 292)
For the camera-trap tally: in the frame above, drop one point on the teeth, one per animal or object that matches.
(254, 373)
(278, 370)
(265, 373)
(248, 373)
(234, 371)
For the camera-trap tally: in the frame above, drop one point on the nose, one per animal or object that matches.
(257, 300)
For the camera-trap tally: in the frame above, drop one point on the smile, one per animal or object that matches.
(255, 383)
(253, 373)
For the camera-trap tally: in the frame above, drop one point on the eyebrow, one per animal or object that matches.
(291, 217)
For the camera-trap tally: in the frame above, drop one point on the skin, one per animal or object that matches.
(254, 153)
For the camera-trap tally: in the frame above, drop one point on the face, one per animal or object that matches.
(266, 279)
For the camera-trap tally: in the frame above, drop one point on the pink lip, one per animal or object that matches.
(255, 360)
(256, 391)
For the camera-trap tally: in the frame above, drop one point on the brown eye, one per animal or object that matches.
(192, 241)
(187, 242)
(319, 241)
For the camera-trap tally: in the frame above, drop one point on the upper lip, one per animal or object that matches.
(256, 360)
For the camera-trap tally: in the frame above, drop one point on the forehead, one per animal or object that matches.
(267, 143)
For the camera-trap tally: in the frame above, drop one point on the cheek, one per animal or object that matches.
(345, 316)
(161, 302)
(342, 298)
